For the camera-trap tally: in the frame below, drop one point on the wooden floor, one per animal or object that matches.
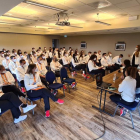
(74, 120)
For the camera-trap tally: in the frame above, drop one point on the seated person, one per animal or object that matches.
(13, 65)
(76, 64)
(117, 60)
(55, 66)
(21, 56)
(88, 56)
(127, 89)
(11, 101)
(65, 60)
(93, 68)
(99, 57)
(20, 73)
(30, 59)
(7, 82)
(44, 60)
(41, 69)
(104, 62)
(25, 55)
(1, 57)
(34, 57)
(6, 62)
(35, 89)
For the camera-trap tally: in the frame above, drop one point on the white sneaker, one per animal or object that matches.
(21, 118)
(28, 108)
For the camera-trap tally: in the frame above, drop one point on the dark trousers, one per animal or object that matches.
(102, 71)
(10, 101)
(57, 73)
(12, 88)
(117, 66)
(68, 66)
(45, 94)
(21, 83)
(111, 68)
(43, 80)
(116, 98)
(81, 66)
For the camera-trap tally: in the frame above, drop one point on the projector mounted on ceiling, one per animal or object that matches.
(65, 21)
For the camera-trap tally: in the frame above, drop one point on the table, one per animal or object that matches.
(109, 79)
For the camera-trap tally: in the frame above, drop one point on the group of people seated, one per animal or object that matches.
(29, 71)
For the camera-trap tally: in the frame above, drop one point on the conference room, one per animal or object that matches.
(69, 69)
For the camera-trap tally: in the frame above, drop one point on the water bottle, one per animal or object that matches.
(114, 78)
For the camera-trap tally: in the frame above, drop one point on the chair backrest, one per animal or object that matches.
(50, 77)
(63, 74)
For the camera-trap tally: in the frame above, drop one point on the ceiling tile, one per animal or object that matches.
(131, 9)
(127, 4)
(118, 1)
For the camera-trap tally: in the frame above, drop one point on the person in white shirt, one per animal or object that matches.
(20, 73)
(25, 55)
(40, 51)
(135, 58)
(63, 51)
(55, 66)
(69, 50)
(34, 57)
(8, 53)
(117, 60)
(127, 89)
(93, 68)
(6, 62)
(33, 50)
(70, 56)
(76, 65)
(1, 57)
(65, 60)
(104, 62)
(14, 53)
(4, 50)
(44, 60)
(7, 82)
(88, 56)
(99, 56)
(13, 65)
(82, 58)
(95, 53)
(41, 70)
(35, 89)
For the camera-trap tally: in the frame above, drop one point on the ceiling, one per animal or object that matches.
(25, 17)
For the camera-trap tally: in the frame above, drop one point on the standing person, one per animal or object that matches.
(20, 73)
(11, 101)
(117, 60)
(93, 68)
(7, 82)
(35, 89)
(6, 62)
(127, 89)
(135, 58)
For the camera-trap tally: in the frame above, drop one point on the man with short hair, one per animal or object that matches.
(6, 62)
(117, 60)
(20, 73)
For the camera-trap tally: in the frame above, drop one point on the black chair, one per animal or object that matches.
(65, 78)
(50, 78)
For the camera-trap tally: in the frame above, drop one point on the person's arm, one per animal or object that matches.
(38, 80)
(122, 86)
(10, 78)
(27, 83)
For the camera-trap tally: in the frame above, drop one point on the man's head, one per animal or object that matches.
(39, 59)
(22, 62)
(104, 55)
(6, 56)
(1, 53)
(121, 56)
(13, 58)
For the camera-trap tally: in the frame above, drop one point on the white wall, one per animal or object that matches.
(25, 42)
(104, 43)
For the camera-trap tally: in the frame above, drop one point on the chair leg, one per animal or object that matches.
(32, 109)
(115, 110)
(131, 119)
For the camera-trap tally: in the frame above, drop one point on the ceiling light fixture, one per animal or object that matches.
(100, 22)
(42, 5)
(18, 18)
(42, 30)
